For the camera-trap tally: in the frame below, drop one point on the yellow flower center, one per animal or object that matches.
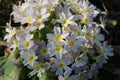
(66, 78)
(78, 33)
(64, 28)
(30, 19)
(48, 9)
(71, 43)
(39, 6)
(88, 10)
(22, 10)
(85, 20)
(80, 75)
(12, 33)
(88, 34)
(58, 48)
(61, 65)
(85, 48)
(16, 43)
(44, 50)
(27, 44)
(104, 50)
(58, 38)
(31, 58)
(37, 68)
(38, 24)
(79, 58)
(65, 21)
(78, 9)
(39, 16)
(94, 37)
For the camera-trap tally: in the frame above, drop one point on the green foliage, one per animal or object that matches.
(11, 71)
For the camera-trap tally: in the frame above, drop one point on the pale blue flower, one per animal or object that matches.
(81, 60)
(60, 67)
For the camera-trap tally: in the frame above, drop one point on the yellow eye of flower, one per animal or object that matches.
(22, 10)
(104, 50)
(39, 6)
(85, 48)
(31, 58)
(12, 32)
(88, 34)
(88, 10)
(80, 75)
(78, 33)
(78, 9)
(71, 43)
(94, 37)
(64, 28)
(38, 24)
(48, 9)
(30, 19)
(58, 48)
(85, 20)
(66, 78)
(65, 21)
(44, 50)
(79, 58)
(58, 38)
(37, 68)
(39, 16)
(61, 65)
(16, 43)
(27, 44)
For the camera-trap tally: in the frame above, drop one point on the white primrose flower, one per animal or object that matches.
(42, 51)
(78, 31)
(65, 9)
(29, 58)
(25, 41)
(46, 65)
(39, 4)
(60, 67)
(81, 60)
(57, 36)
(56, 49)
(22, 8)
(42, 14)
(87, 32)
(86, 19)
(86, 47)
(11, 33)
(96, 36)
(89, 9)
(66, 19)
(14, 44)
(66, 76)
(77, 6)
(37, 70)
(28, 19)
(106, 50)
(72, 43)
(82, 76)
(36, 25)
(50, 5)
(16, 14)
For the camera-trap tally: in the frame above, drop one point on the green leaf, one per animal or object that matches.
(48, 75)
(11, 71)
(117, 71)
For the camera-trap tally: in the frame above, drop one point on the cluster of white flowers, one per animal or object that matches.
(74, 51)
